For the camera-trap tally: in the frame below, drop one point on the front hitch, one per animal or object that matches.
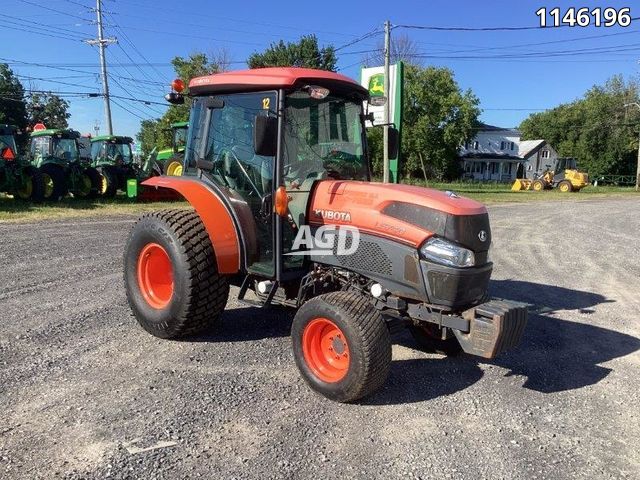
(494, 327)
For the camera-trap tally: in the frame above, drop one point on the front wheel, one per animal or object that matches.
(108, 182)
(55, 182)
(170, 275)
(31, 185)
(173, 167)
(89, 184)
(341, 346)
(539, 185)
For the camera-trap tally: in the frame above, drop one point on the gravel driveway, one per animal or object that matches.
(85, 393)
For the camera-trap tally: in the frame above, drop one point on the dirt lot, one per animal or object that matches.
(84, 391)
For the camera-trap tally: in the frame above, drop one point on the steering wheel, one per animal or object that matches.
(234, 156)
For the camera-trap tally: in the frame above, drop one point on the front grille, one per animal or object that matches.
(369, 257)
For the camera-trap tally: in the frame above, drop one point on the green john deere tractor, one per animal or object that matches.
(111, 155)
(17, 177)
(56, 154)
(171, 158)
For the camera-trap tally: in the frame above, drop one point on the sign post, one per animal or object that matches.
(373, 80)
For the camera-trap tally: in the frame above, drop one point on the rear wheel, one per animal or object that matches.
(55, 183)
(171, 277)
(429, 338)
(565, 186)
(341, 346)
(538, 185)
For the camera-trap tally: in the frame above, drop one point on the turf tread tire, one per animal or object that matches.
(205, 292)
(365, 331)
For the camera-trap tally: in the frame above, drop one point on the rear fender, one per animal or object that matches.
(215, 216)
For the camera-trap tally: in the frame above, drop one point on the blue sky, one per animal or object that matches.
(535, 77)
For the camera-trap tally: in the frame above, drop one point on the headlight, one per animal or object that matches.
(446, 253)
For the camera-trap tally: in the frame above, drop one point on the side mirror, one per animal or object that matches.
(265, 136)
(394, 142)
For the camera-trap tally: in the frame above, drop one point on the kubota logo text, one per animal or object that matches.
(327, 240)
(333, 215)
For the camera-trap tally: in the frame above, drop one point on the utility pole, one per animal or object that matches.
(627, 105)
(387, 93)
(102, 43)
(638, 166)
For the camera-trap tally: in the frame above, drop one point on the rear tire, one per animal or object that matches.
(429, 339)
(170, 274)
(341, 346)
(55, 182)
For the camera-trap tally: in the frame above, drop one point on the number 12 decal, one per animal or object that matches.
(265, 103)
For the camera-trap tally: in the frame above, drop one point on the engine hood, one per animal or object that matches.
(403, 213)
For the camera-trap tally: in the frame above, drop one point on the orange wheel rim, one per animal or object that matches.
(155, 275)
(325, 350)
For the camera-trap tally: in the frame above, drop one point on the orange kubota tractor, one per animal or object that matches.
(277, 172)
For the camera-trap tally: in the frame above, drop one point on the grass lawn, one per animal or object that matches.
(491, 193)
(16, 211)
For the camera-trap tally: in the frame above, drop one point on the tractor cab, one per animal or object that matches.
(171, 159)
(111, 150)
(276, 136)
(57, 146)
(56, 153)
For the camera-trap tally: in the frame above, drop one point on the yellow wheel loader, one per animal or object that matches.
(564, 176)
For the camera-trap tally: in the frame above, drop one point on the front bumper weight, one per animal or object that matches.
(494, 327)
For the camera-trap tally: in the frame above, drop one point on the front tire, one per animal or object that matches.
(108, 182)
(539, 185)
(341, 346)
(55, 182)
(171, 277)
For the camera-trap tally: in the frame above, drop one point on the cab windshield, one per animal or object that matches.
(180, 137)
(323, 138)
(65, 148)
(119, 152)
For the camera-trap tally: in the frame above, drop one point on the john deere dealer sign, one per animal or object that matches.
(373, 80)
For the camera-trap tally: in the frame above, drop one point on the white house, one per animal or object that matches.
(499, 154)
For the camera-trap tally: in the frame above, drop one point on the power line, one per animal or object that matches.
(53, 10)
(50, 35)
(373, 32)
(48, 28)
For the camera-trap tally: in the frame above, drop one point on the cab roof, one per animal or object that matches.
(108, 138)
(272, 78)
(66, 132)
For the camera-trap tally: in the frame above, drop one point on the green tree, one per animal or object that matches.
(305, 53)
(157, 133)
(12, 105)
(596, 129)
(49, 109)
(437, 118)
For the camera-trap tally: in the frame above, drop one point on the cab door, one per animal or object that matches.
(245, 178)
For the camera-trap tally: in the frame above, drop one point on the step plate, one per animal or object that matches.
(494, 327)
